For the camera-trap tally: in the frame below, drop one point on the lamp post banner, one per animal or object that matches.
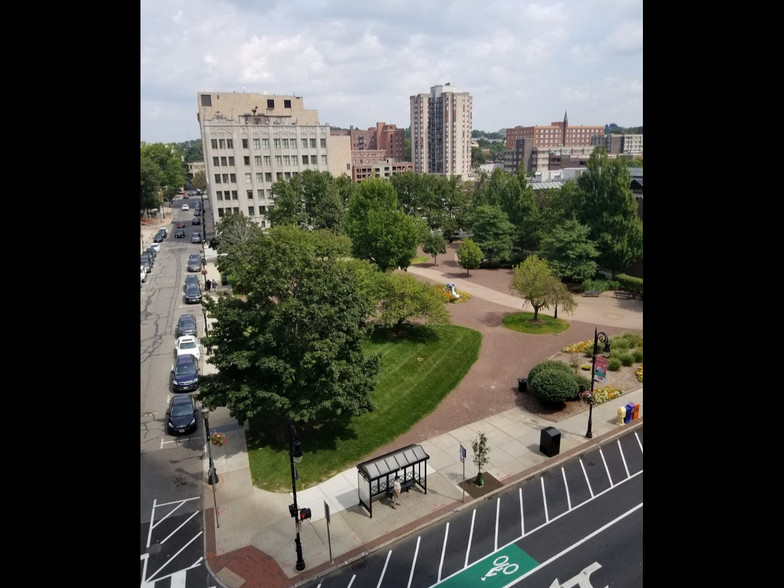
(600, 375)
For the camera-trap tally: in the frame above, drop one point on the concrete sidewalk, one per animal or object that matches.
(249, 537)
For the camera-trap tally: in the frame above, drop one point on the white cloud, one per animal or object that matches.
(523, 62)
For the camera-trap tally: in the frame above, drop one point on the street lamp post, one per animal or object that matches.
(295, 456)
(597, 336)
(206, 327)
(212, 476)
(203, 219)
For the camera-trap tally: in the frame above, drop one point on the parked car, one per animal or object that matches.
(194, 262)
(146, 260)
(182, 416)
(187, 344)
(198, 191)
(156, 246)
(179, 233)
(185, 374)
(151, 252)
(191, 279)
(143, 272)
(186, 325)
(180, 224)
(192, 293)
(196, 238)
(185, 205)
(196, 220)
(159, 236)
(163, 231)
(197, 211)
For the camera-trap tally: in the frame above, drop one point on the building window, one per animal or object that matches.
(249, 194)
(250, 211)
(231, 160)
(229, 143)
(244, 143)
(234, 195)
(225, 178)
(323, 143)
(285, 143)
(267, 161)
(219, 195)
(279, 175)
(287, 175)
(215, 161)
(264, 143)
(217, 178)
(256, 144)
(222, 143)
(257, 160)
(313, 160)
(286, 103)
(220, 213)
(312, 143)
(304, 160)
(260, 193)
(259, 177)
(303, 143)
(276, 142)
(278, 160)
(247, 178)
(224, 161)
(323, 160)
(233, 178)
(214, 143)
(246, 160)
(262, 210)
(268, 176)
(286, 160)
(270, 103)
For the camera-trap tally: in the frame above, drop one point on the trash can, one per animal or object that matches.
(522, 384)
(550, 441)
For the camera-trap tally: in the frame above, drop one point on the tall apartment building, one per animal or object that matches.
(441, 126)
(251, 141)
(379, 151)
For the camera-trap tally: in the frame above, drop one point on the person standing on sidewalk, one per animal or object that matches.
(396, 492)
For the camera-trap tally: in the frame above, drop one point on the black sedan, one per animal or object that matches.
(186, 325)
(182, 416)
(196, 238)
(179, 233)
(185, 373)
(192, 293)
(194, 262)
(196, 220)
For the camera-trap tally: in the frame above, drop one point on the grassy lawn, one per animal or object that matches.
(522, 322)
(417, 373)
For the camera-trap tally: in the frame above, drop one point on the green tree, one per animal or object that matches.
(493, 232)
(237, 238)
(380, 232)
(533, 280)
(570, 252)
(469, 255)
(434, 244)
(292, 348)
(199, 180)
(560, 296)
(311, 199)
(481, 450)
(607, 205)
(169, 161)
(404, 298)
(150, 176)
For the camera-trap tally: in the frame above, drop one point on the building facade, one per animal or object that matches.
(251, 141)
(375, 150)
(441, 126)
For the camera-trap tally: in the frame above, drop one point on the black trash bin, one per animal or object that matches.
(550, 441)
(522, 384)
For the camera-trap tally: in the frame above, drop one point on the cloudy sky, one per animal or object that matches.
(357, 62)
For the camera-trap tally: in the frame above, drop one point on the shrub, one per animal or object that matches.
(637, 355)
(583, 382)
(614, 364)
(552, 382)
(626, 359)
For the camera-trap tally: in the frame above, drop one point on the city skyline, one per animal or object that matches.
(523, 63)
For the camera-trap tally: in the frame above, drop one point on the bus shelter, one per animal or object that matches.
(375, 476)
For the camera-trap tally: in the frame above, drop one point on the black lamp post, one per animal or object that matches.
(295, 456)
(597, 336)
(212, 476)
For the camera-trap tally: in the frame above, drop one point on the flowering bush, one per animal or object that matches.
(218, 439)
(638, 373)
(600, 396)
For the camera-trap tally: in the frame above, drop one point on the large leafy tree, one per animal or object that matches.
(379, 231)
(150, 176)
(291, 348)
(311, 199)
(570, 252)
(168, 159)
(405, 298)
(238, 238)
(606, 204)
(512, 194)
(434, 244)
(493, 232)
(534, 281)
(469, 255)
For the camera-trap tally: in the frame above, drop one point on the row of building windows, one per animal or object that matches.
(234, 195)
(251, 213)
(266, 160)
(258, 144)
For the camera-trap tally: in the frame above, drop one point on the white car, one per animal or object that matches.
(156, 247)
(185, 206)
(187, 345)
(144, 273)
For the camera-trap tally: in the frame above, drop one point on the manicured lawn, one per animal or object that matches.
(417, 373)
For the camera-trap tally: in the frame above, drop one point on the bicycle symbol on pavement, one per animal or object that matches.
(501, 564)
